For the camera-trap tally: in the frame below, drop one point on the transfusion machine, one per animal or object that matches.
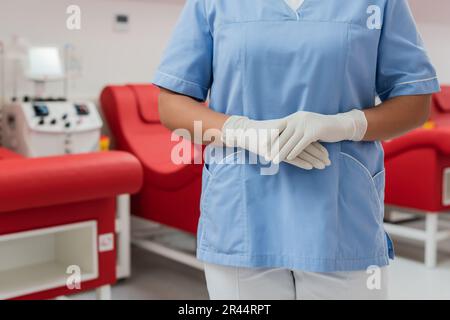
(47, 128)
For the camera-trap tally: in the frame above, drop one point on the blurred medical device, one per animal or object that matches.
(46, 128)
(38, 126)
(44, 64)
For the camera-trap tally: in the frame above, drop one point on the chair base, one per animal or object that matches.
(143, 241)
(430, 236)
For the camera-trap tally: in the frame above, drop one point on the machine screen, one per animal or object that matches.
(40, 110)
(82, 109)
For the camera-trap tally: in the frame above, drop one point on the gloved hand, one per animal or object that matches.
(258, 137)
(304, 128)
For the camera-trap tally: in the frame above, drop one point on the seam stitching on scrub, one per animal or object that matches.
(205, 213)
(337, 195)
(381, 172)
(368, 174)
(301, 9)
(206, 217)
(207, 20)
(338, 227)
(208, 172)
(405, 83)
(347, 58)
(307, 259)
(206, 168)
(292, 10)
(182, 80)
(224, 24)
(227, 157)
(243, 66)
(244, 209)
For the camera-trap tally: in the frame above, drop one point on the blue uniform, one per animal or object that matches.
(263, 60)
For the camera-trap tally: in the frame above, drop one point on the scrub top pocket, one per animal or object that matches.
(361, 208)
(223, 220)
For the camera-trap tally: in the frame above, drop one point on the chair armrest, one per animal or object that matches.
(421, 138)
(41, 182)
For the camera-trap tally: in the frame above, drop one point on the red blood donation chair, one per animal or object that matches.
(418, 179)
(57, 213)
(171, 192)
(440, 107)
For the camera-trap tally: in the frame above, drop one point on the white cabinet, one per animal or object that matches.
(38, 260)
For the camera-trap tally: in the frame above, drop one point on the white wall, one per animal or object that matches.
(110, 57)
(433, 20)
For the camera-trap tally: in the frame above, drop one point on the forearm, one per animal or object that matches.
(181, 112)
(396, 116)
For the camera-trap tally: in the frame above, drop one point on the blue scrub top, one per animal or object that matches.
(261, 59)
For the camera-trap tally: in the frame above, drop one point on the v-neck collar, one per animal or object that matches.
(292, 10)
(294, 4)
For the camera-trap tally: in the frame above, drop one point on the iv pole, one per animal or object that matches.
(66, 71)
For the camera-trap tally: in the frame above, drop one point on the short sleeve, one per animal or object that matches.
(186, 67)
(403, 64)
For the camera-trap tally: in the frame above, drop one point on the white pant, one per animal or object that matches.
(232, 283)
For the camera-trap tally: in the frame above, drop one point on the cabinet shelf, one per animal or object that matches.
(37, 260)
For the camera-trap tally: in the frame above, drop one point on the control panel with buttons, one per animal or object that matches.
(54, 116)
(43, 128)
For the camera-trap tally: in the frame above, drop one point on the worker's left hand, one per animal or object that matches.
(304, 128)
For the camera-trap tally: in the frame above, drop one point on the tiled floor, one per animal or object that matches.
(157, 278)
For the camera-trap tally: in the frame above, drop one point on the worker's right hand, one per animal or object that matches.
(259, 137)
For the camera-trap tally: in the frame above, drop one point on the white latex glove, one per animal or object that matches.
(258, 137)
(304, 128)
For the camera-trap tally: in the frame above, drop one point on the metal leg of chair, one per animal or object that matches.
(103, 293)
(123, 237)
(431, 229)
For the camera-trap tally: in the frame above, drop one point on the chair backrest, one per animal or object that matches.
(120, 111)
(147, 96)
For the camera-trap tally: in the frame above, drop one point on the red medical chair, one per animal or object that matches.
(57, 213)
(418, 179)
(171, 192)
(440, 107)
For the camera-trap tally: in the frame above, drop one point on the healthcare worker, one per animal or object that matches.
(310, 71)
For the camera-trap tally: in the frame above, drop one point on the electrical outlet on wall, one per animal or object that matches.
(121, 23)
